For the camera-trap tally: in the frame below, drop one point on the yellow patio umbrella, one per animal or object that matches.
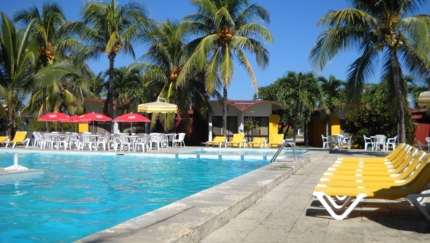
(424, 98)
(158, 107)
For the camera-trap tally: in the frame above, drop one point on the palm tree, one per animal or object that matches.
(299, 93)
(14, 72)
(332, 94)
(165, 59)
(228, 28)
(381, 26)
(44, 32)
(109, 29)
(128, 85)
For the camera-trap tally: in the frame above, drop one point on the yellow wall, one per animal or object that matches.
(317, 127)
(334, 125)
(273, 125)
(83, 127)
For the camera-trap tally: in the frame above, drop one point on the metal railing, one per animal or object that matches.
(293, 146)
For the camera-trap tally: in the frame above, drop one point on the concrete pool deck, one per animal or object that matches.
(271, 204)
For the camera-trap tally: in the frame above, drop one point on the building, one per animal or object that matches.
(238, 112)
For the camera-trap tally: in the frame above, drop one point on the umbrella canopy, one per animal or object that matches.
(131, 117)
(158, 107)
(54, 116)
(424, 98)
(94, 116)
(73, 119)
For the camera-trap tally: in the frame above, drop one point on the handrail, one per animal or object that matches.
(293, 146)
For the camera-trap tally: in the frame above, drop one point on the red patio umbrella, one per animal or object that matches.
(131, 117)
(54, 116)
(72, 119)
(94, 116)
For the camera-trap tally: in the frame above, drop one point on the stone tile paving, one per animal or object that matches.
(289, 213)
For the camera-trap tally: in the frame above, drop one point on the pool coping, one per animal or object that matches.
(192, 218)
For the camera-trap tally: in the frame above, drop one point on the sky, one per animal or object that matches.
(293, 26)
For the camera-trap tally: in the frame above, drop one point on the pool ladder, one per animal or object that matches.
(293, 146)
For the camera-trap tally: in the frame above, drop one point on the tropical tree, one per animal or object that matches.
(14, 68)
(372, 115)
(227, 29)
(44, 34)
(109, 29)
(128, 85)
(374, 27)
(165, 59)
(333, 93)
(298, 93)
(98, 86)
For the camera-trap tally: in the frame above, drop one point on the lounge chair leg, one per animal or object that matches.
(414, 199)
(338, 205)
(323, 200)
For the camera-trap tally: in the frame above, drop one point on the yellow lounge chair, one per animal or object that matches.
(20, 137)
(217, 141)
(4, 139)
(372, 166)
(237, 140)
(397, 179)
(387, 158)
(277, 140)
(354, 195)
(257, 141)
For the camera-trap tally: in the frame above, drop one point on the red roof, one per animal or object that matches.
(243, 105)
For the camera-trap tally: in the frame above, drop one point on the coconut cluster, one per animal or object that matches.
(390, 39)
(224, 35)
(47, 51)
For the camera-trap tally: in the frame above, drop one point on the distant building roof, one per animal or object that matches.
(243, 105)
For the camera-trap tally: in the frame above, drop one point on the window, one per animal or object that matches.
(263, 122)
(232, 126)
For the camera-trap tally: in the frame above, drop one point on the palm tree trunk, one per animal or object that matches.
(224, 111)
(110, 91)
(44, 108)
(305, 134)
(399, 94)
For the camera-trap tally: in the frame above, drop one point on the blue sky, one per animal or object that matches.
(293, 26)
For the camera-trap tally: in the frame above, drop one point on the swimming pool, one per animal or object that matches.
(78, 195)
(245, 151)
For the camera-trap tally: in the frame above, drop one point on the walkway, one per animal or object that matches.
(289, 213)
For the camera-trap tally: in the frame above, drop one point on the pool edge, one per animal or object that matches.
(194, 217)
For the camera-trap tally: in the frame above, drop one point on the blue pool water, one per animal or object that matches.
(245, 151)
(78, 195)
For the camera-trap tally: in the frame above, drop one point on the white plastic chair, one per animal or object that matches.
(39, 140)
(179, 138)
(391, 142)
(74, 140)
(86, 139)
(142, 141)
(367, 142)
(49, 140)
(428, 144)
(347, 141)
(64, 141)
(103, 141)
(156, 139)
(124, 141)
(325, 141)
(379, 143)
